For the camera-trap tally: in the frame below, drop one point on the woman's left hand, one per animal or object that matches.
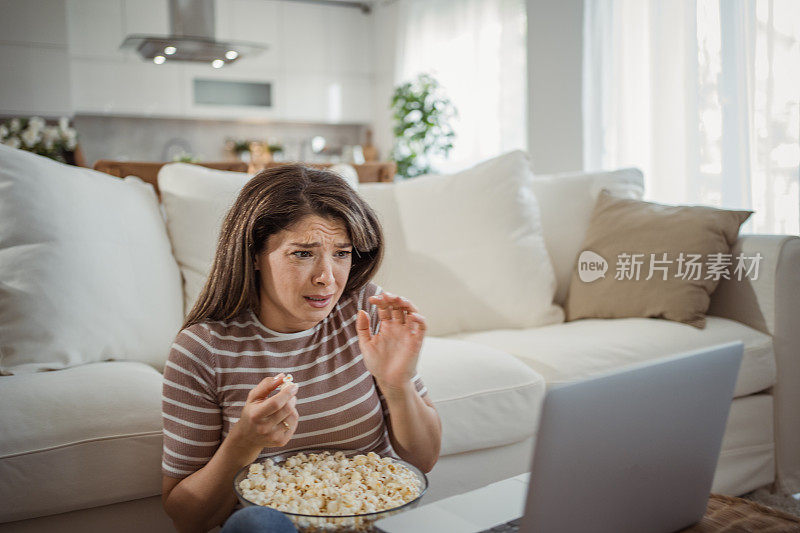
(391, 355)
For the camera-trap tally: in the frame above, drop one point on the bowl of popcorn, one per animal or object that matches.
(332, 490)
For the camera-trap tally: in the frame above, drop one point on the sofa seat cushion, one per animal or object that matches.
(573, 351)
(484, 397)
(77, 438)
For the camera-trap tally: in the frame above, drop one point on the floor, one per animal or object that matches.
(786, 503)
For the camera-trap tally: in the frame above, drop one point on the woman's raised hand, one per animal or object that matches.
(267, 421)
(391, 355)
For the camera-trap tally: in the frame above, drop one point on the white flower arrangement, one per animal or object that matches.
(34, 135)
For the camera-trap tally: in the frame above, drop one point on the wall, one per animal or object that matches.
(555, 55)
(384, 42)
(555, 52)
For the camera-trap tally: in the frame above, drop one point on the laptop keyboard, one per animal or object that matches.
(508, 527)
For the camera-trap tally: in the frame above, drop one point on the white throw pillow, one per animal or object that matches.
(347, 172)
(196, 200)
(467, 248)
(566, 201)
(86, 268)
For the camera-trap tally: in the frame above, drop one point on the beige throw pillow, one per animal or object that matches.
(641, 259)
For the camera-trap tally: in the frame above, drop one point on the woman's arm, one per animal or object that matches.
(391, 356)
(415, 430)
(206, 498)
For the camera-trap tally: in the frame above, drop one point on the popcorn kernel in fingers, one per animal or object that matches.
(287, 381)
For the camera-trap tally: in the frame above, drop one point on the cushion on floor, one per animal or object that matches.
(573, 351)
(80, 437)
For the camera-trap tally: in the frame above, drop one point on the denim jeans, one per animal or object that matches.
(258, 519)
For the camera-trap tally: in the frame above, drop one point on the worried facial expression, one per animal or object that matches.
(303, 272)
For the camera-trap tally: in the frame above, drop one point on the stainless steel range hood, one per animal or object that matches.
(193, 38)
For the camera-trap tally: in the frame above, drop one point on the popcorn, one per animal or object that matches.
(287, 380)
(331, 484)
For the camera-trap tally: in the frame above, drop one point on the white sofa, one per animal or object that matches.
(80, 448)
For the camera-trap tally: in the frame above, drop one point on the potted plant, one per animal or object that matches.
(239, 148)
(59, 142)
(422, 115)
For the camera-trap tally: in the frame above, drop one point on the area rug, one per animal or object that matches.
(783, 502)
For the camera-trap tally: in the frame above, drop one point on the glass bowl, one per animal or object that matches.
(307, 523)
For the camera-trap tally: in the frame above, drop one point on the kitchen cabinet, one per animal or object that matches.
(102, 87)
(305, 37)
(34, 59)
(318, 62)
(149, 17)
(350, 41)
(256, 21)
(328, 64)
(328, 98)
(357, 97)
(95, 28)
(326, 39)
(36, 22)
(43, 90)
(235, 74)
(309, 97)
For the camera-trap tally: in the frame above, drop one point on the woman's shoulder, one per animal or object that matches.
(207, 335)
(361, 299)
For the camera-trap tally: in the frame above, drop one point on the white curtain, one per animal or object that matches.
(703, 96)
(476, 50)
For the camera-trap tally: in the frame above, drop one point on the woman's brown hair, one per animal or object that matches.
(273, 200)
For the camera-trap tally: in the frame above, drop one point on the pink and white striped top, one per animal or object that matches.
(213, 365)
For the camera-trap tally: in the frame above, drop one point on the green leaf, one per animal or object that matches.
(421, 114)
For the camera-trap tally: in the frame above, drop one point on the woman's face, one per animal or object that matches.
(312, 258)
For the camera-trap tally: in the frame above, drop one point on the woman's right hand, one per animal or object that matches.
(261, 422)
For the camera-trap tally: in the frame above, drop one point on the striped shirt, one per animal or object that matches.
(213, 365)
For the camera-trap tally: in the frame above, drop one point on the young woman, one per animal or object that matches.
(289, 292)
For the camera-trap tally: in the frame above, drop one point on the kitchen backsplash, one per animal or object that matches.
(161, 139)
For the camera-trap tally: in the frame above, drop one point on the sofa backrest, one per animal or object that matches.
(566, 202)
(148, 171)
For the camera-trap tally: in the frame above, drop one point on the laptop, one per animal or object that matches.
(629, 451)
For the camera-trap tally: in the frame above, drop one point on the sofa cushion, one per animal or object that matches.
(467, 248)
(566, 201)
(78, 438)
(646, 247)
(86, 268)
(347, 172)
(576, 350)
(484, 397)
(195, 201)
